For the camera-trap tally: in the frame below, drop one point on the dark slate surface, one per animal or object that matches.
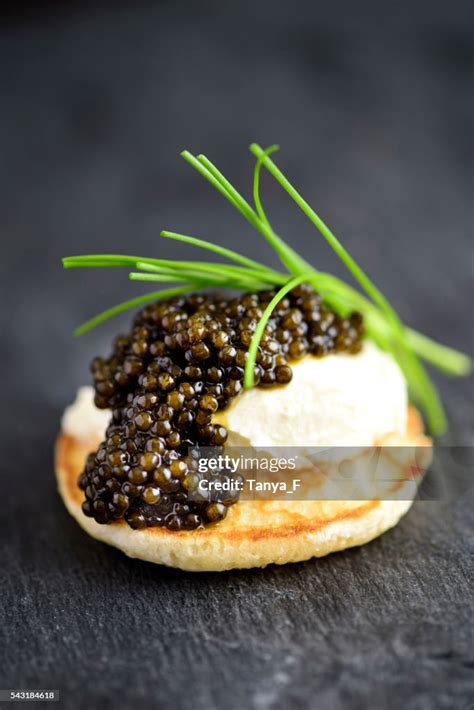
(372, 109)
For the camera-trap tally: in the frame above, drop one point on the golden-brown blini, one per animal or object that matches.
(254, 533)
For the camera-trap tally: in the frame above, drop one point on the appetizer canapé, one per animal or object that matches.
(296, 359)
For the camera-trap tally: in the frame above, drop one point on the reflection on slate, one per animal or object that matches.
(373, 112)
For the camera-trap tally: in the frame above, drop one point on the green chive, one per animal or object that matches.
(382, 323)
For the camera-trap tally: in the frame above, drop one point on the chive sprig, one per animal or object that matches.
(382, 323)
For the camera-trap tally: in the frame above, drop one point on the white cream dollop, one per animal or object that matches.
(337, 400)
(83, 419)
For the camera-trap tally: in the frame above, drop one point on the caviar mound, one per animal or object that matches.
(183, 361)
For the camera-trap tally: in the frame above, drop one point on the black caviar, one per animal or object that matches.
(184, 360)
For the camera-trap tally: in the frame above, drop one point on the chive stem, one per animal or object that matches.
(126, 305)
(260, 329)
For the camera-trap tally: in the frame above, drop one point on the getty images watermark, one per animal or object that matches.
(232, 465)
(337, 473)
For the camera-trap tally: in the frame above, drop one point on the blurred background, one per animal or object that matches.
(372, 105)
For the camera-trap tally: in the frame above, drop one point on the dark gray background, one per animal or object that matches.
(372, 106)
